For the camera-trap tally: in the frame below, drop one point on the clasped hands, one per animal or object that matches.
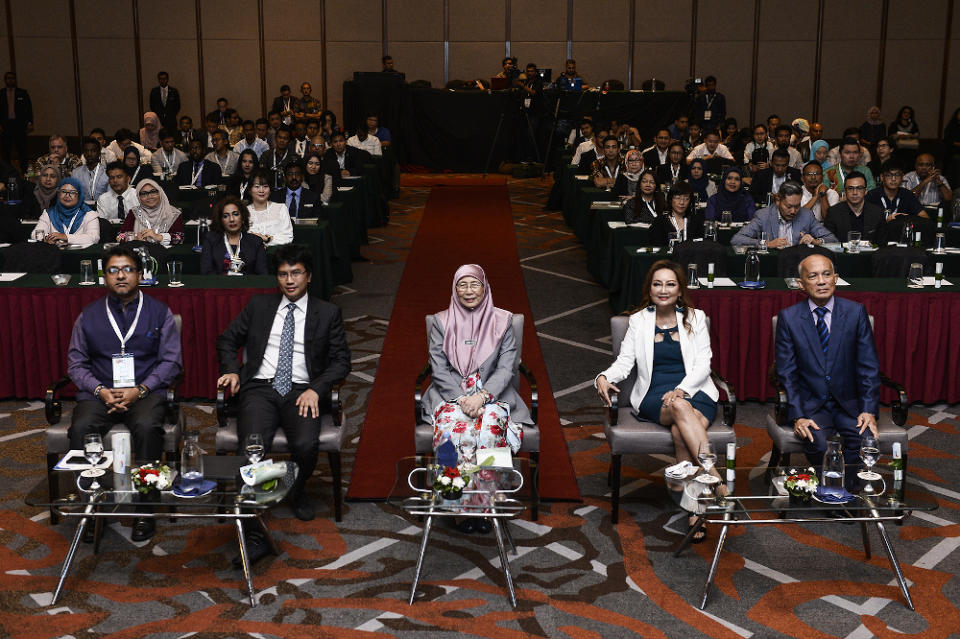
(308, 403)
(802, 427)
(472, 405)
(118, 400)
(148, 235)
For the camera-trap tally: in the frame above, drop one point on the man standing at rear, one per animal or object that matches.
(16, 109)
(165, 102)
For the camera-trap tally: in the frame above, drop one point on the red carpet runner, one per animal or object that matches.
(462, 224)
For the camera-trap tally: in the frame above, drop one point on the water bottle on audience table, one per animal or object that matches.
(833, 475)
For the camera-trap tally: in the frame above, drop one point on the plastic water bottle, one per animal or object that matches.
(13, 190)
(833, 469)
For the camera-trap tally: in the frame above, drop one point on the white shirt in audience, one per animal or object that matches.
(275, 221)
(107, 204)
(88, 231)
(371, 145)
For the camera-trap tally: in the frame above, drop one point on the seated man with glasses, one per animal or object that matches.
(927, 183)
(817, 196)
(124, 352)
(854, 213)
(895, 200)
(607, 168)
(784, 223)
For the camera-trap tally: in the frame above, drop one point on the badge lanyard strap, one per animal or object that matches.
(233, 256)
(116, 329)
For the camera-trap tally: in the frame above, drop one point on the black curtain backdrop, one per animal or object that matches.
(441, 129)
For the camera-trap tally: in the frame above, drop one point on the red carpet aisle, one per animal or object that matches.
(463, 224)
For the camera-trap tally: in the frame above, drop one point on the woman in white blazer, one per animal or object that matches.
(669, 343)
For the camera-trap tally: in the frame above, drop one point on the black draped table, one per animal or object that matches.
(36, 320)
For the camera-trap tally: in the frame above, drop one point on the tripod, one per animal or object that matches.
(496, 136)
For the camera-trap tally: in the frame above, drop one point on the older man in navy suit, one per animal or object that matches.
(785, 222)
(827, 362)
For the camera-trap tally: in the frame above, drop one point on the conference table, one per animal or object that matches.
(36, 320)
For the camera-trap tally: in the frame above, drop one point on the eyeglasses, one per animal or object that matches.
(855, 188)
(281, 275)
(813, 174)
(113, 270)
(69, 193)
(469, 286)
(896, 174)
(150, 192)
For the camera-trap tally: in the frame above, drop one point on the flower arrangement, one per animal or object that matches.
(152, 476)
(801, 484)
(451, 482)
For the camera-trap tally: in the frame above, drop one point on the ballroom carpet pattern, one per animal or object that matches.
(577, 575)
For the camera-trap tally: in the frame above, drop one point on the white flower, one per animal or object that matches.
(445, 480)
(151, 479)
(458, 483)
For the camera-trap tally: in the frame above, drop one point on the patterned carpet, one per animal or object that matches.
(576, 574)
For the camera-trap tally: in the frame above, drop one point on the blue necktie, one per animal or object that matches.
(283, 378)
(822, 331)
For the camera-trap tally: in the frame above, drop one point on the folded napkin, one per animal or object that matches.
(682, 469)
(833, 496)
(259, 473)
(198, 488)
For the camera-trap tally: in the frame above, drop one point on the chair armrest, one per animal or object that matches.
(418, 392)
(899, 406)
(172, 404)
(780, 404)
(336, 407)
(613, 411)
(51, 405)
(534, 392)
(728, 405)
(222, 408)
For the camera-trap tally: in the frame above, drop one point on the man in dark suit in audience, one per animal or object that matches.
(16, 114)
(186, 133)
(197, 171)
(300, 202)
(827, 362)
(165, 101)
(768, 181)
(296, 350)
(656, 155)
(854, 213)
(342, 161)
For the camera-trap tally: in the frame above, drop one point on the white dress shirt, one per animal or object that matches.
(929, 196)
(107, 204)
(275, 222)
(259, 146)
(811, 201)
(701, 151)
(268, 368)
(371, 144)
(584, 147)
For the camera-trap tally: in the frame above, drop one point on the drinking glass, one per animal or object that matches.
(672, 239)
(254, 447)
(941, 244)
(915, 278)
(707, 456)
(38, 235)
(93, 451)
(726, 218)
(692, 280)
(174, 269)
(710, 231)
(853, 242)
(86, 271)
(870, 454)
(762, 243)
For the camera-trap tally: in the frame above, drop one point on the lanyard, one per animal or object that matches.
(681, 230)
(72, 220)
(675, 171)
(168, 161)
(223, 169)
(616, 171)
(196, 174)
(279, 162)
(233, 256)
(893, 206)
(116, 329)
(93, 180)
(709, 99)
(243, 188)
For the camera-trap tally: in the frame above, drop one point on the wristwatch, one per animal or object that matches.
(142, 390)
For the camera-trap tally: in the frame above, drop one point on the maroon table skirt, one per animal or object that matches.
(917, 336)
(36, 323)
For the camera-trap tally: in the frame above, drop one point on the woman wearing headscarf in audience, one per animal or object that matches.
(238, 184)
(702, 187)
(43, 193)
(131, 162)
(820, 152)
(68, 219)
(228, 248)
(315, 179)
(680, 217)
(731, 197)
(872, 129)
(270, 221)
(154, 219)
(669, 344)
(628, 180)
(150, 133)
(472, 354)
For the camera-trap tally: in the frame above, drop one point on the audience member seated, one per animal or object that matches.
(657, 155)
(805, 145)
(234, 128)
(680, 218)
(784, 223)
(93, 172)
(675, 170)
(819, 151)
(647, 203)
(206, 136)
(238, 185)
(895, 200)
(150, 132)
(105, 396)
(767, 182)
(186, 133)
(114, 205)
(581, 133)
(864, 156)
(472, 355)
(328, 125)
(678, 130)
(135, 169)
(628, 180)
(926, 182)
(669, 344)
(365, 142)
(590, 149)
(250, 140)
(731, 138)
(382, 133)
(122, 140)
(168, 158)
(299, 142)
(885, 148)
(315, 179)
(197, 171)
(872, 129)
(154, 219)
(710, 149)
(219, 115)
(227, 248)
(605, 170)
(288, 371)
(300, 202)
(904, 128)
(270, 221)
(816, 196)
(57, 156)
(731, 197)
(757, 153)
(854, 213)
(44, 193)
(849, 158)
(342, 161)
(69, 220)
(703, 187)
(222, 154)
(280, 156)
(782, 142)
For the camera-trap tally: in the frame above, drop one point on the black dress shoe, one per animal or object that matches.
(302, 509)
(484, 527)
(468, 525)
(257, 549)
(143, 529)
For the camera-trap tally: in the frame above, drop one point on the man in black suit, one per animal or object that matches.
(280, 156)
(165, 101)
(186, 133)
(854, 213)
(220, 114)
(770, 180)
(656, 155)
(296, 350)
(197, 171)
(16, 114)
(342, 161)
(300, 202)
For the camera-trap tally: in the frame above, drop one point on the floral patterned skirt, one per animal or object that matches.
(493, 429)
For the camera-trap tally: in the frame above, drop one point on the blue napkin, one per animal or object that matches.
(834, 496)
(197, 489)
(447, 454)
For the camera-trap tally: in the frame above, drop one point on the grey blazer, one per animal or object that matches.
(498, 373)
(768, 220)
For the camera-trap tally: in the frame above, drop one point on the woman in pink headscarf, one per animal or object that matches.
(472, 352)
(150, 133)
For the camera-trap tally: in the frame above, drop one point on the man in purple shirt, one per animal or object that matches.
(124, 352)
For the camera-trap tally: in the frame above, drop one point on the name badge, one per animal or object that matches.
(123, 371)
(470, 342)
(707, 114)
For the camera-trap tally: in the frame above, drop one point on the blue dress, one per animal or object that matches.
(668, 372)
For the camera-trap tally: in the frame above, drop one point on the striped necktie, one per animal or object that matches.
(283, 378)
(822, 331)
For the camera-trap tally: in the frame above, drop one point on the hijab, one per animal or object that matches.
(819, 144)
(726, 199)
(150, 137)
(633, 177)
(484, 325)
(63, 219)
(44, 195)
(159, 218)
(699, 185)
